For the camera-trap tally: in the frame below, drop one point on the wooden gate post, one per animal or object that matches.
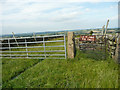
(117, 52)
(71, 45)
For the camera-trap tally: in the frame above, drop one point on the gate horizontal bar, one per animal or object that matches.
(34, 42)
(31, 58)
(32, 51)
(32, 55)
(31, 47)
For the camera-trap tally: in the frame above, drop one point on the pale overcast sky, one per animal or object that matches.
(24, 16)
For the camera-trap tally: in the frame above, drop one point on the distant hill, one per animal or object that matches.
(76, 31)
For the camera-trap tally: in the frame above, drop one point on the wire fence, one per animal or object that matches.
(42, 47)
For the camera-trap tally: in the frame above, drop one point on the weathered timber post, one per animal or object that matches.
(34, 37)
(117, 52)
(103, 30)
(77, 43)
(106, 39)
(15, 39)
(106, 27)
(71, 45)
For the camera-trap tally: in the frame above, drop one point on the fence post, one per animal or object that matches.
(117, 52)
(103, 28)
(15, 39)
(77, 43)
(106, 27)
(34, 37)
(71, 45)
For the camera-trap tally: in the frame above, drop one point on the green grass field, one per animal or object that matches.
(84, 71)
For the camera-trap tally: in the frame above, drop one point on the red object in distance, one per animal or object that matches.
(87, 38)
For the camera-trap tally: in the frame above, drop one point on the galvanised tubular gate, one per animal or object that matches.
(27, 55)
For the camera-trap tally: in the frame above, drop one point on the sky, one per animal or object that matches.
(26, 16)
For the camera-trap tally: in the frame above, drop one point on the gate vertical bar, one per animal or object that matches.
(65, 47)
(26, 47)
(9, 47)
(44, 46)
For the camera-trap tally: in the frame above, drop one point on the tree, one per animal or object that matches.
(91, 32)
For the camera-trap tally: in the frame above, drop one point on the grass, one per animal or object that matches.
(13, 67)
(80, 72)
(86, 70)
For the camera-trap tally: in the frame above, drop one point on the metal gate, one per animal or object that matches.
(39, 47)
